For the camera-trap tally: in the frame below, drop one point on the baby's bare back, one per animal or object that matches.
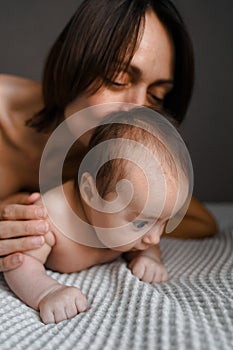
(67, 254)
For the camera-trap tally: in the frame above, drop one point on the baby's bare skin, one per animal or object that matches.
(57, 302)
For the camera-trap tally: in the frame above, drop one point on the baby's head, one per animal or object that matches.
(133, 180)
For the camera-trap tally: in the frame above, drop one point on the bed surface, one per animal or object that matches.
(194, 310)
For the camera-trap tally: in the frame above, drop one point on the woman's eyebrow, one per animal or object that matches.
(163, 82)
(137, 73)
(134, 71)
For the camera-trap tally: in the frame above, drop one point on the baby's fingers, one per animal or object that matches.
(160, 276)
(148, 275)
(62, 304)
(81, 303)
(70, 309)
(164, 276)
(47, 315)
(53, 312)
(59, 315)
(137, 269)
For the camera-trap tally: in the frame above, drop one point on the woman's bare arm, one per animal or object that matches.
(197, 223)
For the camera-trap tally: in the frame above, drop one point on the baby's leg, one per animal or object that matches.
(31, 284)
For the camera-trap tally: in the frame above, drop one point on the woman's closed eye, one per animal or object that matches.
(140, 223)
(122, 79)
(156, 99)
(116, 83)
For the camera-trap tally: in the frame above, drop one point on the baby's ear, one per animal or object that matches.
(87, 188)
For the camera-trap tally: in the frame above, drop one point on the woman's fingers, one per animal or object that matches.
(22, 198)
(22, 212)
(11, 262)
(32, 198)
(11, 229)
(18, 220)
(9, 246)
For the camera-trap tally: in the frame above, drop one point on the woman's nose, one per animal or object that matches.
(137, 96)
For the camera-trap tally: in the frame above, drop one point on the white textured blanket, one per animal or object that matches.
(194, 310)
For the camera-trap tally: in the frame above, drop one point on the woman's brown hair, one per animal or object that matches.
(98, 41)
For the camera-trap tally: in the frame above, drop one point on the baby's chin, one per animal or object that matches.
(134, 249)
(123, 249)
(129, 248)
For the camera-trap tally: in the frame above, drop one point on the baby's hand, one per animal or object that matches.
(148, 270)
(61, 304)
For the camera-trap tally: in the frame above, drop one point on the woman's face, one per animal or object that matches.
(149, 77)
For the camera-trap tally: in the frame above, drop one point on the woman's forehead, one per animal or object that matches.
(155, 52)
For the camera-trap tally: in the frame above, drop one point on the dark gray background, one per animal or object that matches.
(28, 29)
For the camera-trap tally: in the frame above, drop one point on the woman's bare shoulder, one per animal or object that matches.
(15, 90)
(19, 96)
(13, 81)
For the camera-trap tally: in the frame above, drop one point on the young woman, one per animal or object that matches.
(134, 51)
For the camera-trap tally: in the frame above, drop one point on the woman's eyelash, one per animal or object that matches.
(160, 100)
(118, 84)
(113, 82)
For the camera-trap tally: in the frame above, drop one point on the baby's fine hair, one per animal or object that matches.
(146, 128)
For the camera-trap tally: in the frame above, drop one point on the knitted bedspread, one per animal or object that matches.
(194, 310)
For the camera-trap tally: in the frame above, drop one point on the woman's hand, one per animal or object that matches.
(25, 223)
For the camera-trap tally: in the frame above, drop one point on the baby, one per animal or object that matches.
(122, 198)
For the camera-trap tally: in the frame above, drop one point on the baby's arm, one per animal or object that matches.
(54, 301)
(147, 265)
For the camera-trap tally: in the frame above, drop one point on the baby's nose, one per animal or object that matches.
(153, 237)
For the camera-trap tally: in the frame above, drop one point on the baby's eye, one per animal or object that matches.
(140, 223)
